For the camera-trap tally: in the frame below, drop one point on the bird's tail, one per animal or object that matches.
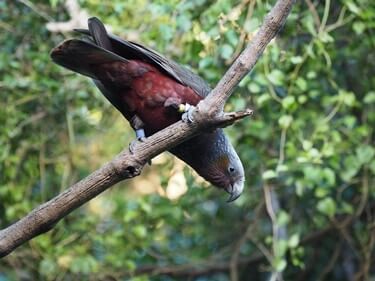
(99, 33)
(84, 56)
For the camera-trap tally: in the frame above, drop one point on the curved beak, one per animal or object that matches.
(235, 190)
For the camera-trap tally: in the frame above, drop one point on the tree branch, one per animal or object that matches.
(127, 165)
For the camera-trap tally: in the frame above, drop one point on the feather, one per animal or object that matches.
(181, 74)
(82, 56)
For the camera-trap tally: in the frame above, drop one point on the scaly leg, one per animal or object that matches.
(137, 125)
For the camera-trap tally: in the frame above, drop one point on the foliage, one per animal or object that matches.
(308, 210)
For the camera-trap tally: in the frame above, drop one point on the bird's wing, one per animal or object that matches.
(181, 74)
(83, 57)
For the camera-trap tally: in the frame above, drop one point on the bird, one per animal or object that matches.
(151, 92)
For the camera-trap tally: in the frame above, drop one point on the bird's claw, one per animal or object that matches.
(132, 146)
(133, 143)
(140, 135)
(187, 110)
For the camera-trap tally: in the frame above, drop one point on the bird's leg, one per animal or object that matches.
(137, 125)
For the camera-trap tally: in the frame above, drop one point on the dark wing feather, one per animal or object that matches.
(83, 56)
(181, 74)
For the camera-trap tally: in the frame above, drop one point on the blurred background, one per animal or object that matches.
(308, 209)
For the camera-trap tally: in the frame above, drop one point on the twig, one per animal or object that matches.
(236, 251)
(278, 232)
(325, 16)
(282, 148)
(340, 21)
(314, 13)
(208, 115)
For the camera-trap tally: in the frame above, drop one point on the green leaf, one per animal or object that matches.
(166, 32)
(140, 231)
(183, 22)
(352, 166)
(307, 145)
(308, 22)
(296, 59)
(226, 51)
(347, 97)
(279, 264)
(254, 88)
(369, 98)
(327, 206)
(285, 121)
(288, 102)
(359, 27)
(251, 25)
(283, 218)
(276, 77)
(301, 83)
(365, 153)
(84, 264)
(48, 267)
(269, 174)
(293, 241)
(353, 7)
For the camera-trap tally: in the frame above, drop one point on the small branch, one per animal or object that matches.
(314, 13)
(235, 258)
(278, 232)
(208, 115)
(280, 162)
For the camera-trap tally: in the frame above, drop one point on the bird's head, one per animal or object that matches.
(215, 159)
(227, 172)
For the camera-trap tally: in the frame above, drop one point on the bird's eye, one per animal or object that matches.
(231, 169)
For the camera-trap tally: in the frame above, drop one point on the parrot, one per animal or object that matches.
(152, 92)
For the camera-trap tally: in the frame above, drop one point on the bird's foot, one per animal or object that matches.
(140, 135)
(187, 112)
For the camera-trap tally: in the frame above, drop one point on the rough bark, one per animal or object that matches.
(208, 114)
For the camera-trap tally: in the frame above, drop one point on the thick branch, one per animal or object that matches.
(127, 165)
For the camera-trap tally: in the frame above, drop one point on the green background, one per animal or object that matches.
(308, 149)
